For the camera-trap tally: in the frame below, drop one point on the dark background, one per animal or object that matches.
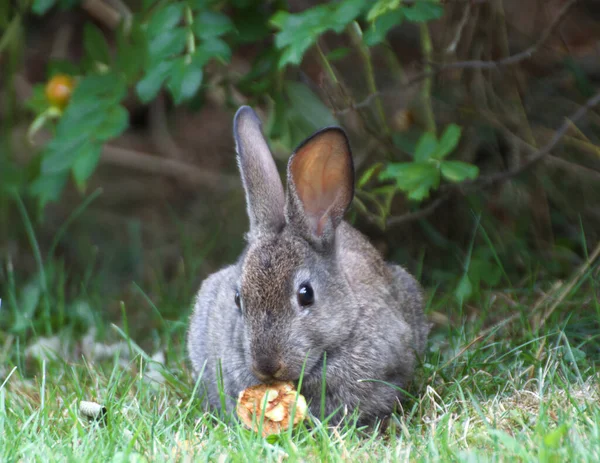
(171, 207)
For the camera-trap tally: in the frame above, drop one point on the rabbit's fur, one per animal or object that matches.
(367, 315)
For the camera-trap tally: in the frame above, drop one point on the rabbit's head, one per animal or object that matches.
(292, 295)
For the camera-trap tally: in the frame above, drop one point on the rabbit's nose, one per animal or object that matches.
(266, 368)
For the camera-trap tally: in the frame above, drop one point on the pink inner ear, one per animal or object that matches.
(321, 171)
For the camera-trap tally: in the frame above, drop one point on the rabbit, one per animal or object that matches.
(309, 294)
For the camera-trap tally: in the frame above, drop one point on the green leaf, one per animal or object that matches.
(448, 141)
(345, 12)
(148, 87)
(99, 86)
(114, 124)
(93, 115)
(261, 77)
(277, 124)
(164, 20)
(417, 179)
(146, 4)
(457, 171)
(82, 117)
(294, 27)
(422, 191)
(95, 44)
(86, 163)
(212, 48)
(47, 187)
(464, 290)
(338, 53)
(366, 176)
(131, 49)
(60, 154)
(298, 32)
(68, 4)
(423, 11)
(280, 19)
(293, 54)
(40, 7)
(407, 140)
(426, 147)
(61, 66)
(382, 25)
(185, 80)
(381, 7)
(209, 24)
(38, 101)
(251, 26)
(308, 106)
(167, 44)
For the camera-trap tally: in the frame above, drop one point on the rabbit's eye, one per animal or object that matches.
(306, 295)
(237, 300)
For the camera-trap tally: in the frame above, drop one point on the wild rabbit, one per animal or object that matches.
(309, 293)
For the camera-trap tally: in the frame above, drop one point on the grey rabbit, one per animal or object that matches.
(307, 284)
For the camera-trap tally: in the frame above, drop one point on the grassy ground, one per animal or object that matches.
(511, 377)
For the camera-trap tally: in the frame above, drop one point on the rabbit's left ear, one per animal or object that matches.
(320, 185)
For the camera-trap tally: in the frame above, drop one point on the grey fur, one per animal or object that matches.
(367, 315)
(259, 174)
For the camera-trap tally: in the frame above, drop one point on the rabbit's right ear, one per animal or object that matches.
(264, 190)
(320, 185)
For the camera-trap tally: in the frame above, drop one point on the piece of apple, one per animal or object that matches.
(274, 403)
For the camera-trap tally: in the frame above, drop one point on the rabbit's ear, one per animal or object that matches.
(264, 190)
(320, 185)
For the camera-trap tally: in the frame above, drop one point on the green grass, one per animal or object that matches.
(510, 375)
(479, 397)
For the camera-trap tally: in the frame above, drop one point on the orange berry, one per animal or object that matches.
(59, 89)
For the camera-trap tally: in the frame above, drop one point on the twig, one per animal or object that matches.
(124, 10)
(104, 13)
(326, 65)
(462, 351)
(170, 167)
(427, 50)
(487, 181)
(355, 33)
(159, 129)
(459, 30)
(474, 64)
(577, 170)
(539, 154)
(569, 286)
(518, 57)
(567, 289)
(420, 214)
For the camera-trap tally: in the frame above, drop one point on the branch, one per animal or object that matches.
(459, 30)
(539, 154)
(104, 13)
(356, 37)
(420, 214)
(181, 171)
(474, 64)
(489, 180)
(516, 58)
